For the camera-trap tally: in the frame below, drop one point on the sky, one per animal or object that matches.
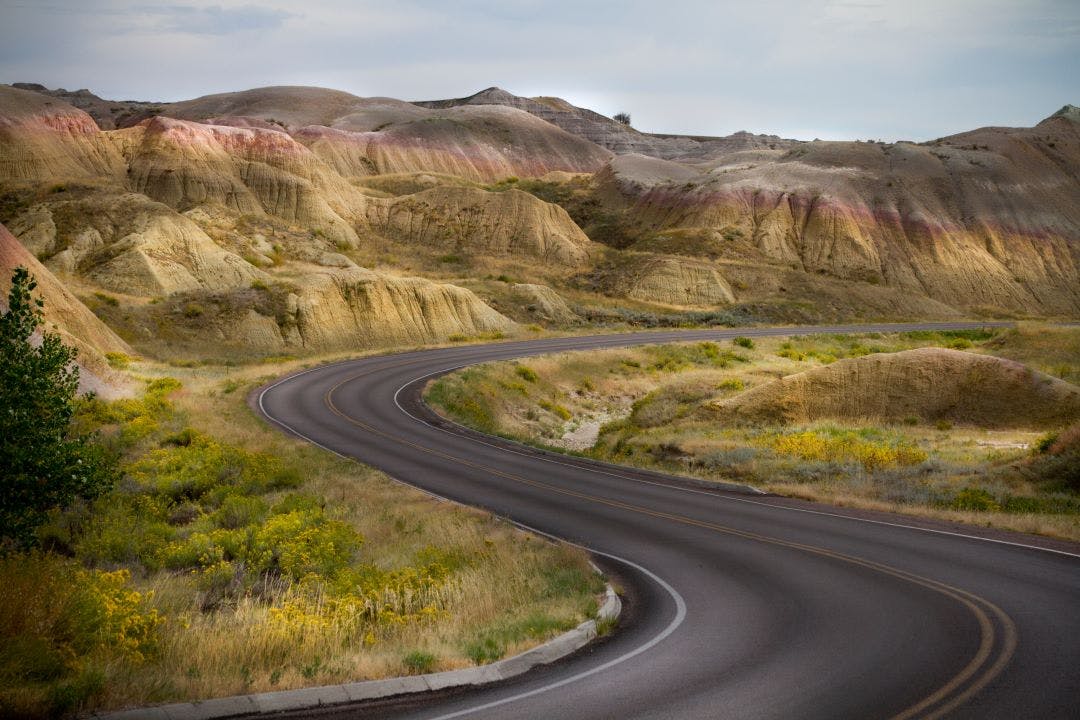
(829, 69)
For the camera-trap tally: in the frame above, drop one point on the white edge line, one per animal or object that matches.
(680, 603)
(680, 616)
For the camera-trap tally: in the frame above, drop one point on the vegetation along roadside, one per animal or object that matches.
(796, 417)
(221, 558)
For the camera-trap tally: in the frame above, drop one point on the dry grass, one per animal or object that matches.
(451, 585)
(653, 405)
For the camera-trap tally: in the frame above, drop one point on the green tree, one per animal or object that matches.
(43, 465)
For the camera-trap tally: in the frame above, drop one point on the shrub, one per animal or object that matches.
(419, 662)
(107, 299)
(556, 409)
(744, 342)
(485, 650)
(526, 373)
(975, 499)
(117, 360)
(58, 620)
(844, 446)
(305, 542)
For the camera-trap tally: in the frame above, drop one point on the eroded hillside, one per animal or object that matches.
(292, 219)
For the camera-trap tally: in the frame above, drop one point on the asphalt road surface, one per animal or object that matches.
(738, 605)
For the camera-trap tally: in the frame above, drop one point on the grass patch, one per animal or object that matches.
(653, 408)
(231, 559)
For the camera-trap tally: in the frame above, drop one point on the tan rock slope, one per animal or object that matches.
(366, 136)
(672, 281)
(544, 303)
(44, 140)
(173, 208)
(928, 383)
(360, 308)
(66, 314)
(129, 244)
(471, 220)
(613, 135)
(246, 170)
(987, 219)
(218, 193)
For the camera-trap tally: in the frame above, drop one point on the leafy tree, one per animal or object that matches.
(42, 464)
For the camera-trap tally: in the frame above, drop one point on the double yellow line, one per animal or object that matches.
(983, 667)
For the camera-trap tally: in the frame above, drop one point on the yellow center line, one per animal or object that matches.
(972, 602)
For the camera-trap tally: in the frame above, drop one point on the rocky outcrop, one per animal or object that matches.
(66, 314)
(670, 280)
(483, 144)
(42, 140)
(246, 170)
(985, 221)
(129, 244)
(614, 135)
(471, 220)
(543, 303)
(359, 308)
(928, 383)
(364, 136)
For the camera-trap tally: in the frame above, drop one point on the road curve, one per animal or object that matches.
(741, 605)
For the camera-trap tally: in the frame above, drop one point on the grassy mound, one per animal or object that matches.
(930, 384)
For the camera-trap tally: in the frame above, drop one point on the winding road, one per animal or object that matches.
(739, 605)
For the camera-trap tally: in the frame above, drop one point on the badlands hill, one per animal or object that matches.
(615, 136)
(986, 219)
(251, 218)
(66, 315)
(927, 383)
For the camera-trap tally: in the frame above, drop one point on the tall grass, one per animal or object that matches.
(231, 559)
(656, 407)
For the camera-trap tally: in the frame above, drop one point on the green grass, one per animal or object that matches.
(655, 407)
(232, 559)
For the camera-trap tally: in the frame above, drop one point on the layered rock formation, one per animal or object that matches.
(672, 281)
(543, 303)
(988, 219)
(928, 383)
(127, 243)
(218, 193)
(365, 136)
(360, 308)
(246, 170)
(42, 140)
(471, 220)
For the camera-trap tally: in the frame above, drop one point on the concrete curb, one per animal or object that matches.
(304, 698)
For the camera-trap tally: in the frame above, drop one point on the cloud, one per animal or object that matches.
(209, 19)
(832, 68)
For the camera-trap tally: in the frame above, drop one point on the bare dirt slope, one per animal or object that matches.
(613, 135)
(45, 140)
(227, 191)
(66, 314)
(926, 383)
(987, 219)
(365, 136)
(231, 235)
(464, 219)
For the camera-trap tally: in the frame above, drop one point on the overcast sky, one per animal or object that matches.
(905, 69)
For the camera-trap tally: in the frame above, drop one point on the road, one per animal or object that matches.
(738, 605)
